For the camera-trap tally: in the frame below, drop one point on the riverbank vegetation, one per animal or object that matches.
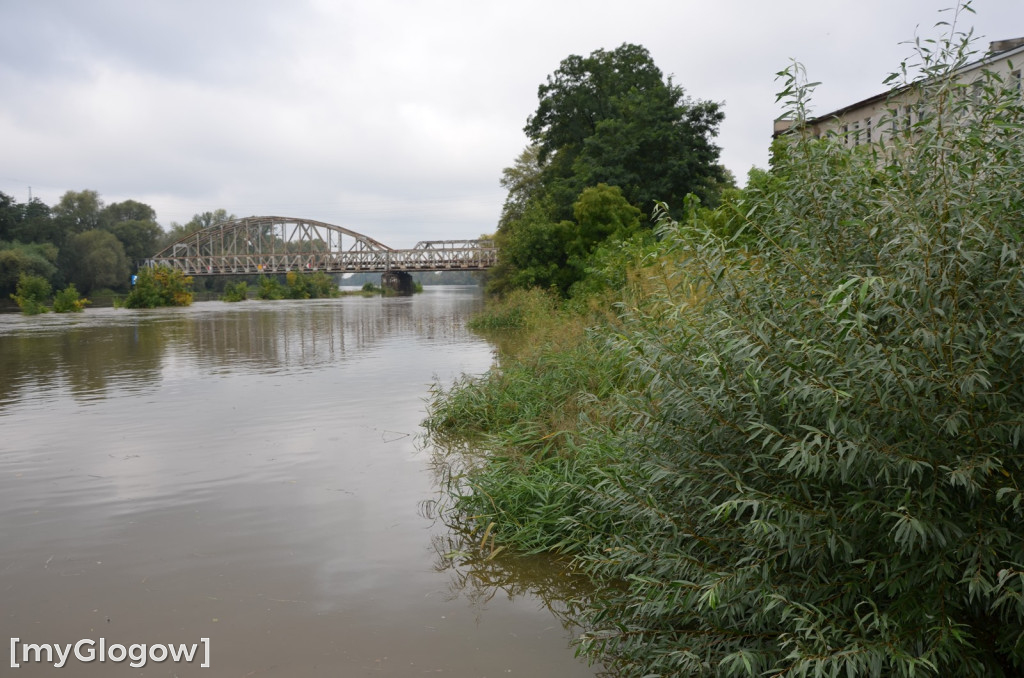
(161, 286)
(98, 247)
(33, 293)
(783, 436)
(83, 241)
(611, 135)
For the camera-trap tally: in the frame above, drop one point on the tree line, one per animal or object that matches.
(82, 241)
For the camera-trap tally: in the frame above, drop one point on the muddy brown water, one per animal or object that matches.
(251, 474)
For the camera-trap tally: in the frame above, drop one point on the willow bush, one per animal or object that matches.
(828, 481)
(270, 288)
(160, 286)
(32, 293)
(811, 462)
(68, 300)
(233, 292)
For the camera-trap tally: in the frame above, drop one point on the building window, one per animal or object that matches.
(846, 135)
(856, 133)
(1015, 82)
(867, 128)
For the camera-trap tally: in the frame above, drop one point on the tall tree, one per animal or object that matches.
(584, 91)
(127, 210)
(78, 211)
(134, 224)
(613, 118)
(37, 224)
(656, 150)
(10, 216)
(197, 223)
(26, 222)
(523, 182)
(96, 260)
(610, 120)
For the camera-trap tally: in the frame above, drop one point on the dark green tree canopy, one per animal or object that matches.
(612, 134)
(78, 211)
(613, 118)
(134, 224)
(522, 181)
(26, 222)
(10, 215)
(655, 151)
(128, 210)
(82, 240)
(97, 260)
(538, 253)
(584, 91)
(17, 259)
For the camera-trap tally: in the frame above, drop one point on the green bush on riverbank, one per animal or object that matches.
(33, 292)
(797, 449)
(162, 286)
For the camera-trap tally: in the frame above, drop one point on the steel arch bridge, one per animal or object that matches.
(270, 245)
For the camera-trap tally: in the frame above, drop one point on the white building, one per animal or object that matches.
(876, 118)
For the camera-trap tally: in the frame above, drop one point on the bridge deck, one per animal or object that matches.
(256, 245)
(467, 259)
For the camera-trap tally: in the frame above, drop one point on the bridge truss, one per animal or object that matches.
(256, 245)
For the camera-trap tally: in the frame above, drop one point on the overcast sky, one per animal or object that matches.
(390, 117)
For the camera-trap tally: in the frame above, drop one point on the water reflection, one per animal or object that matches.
(250, 472)
(478, 574)
(75, 360)
(478, 571)
(43, 358)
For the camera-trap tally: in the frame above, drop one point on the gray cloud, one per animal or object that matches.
(395, 117)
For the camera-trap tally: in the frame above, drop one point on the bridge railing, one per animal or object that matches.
(469, 256)
(272, 244)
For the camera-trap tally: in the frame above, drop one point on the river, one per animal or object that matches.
(251, 474)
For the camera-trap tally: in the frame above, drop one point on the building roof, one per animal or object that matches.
(998, 49)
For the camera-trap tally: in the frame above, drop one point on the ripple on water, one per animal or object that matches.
(254, 464)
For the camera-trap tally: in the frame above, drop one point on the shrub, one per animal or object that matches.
(829, 478)
(297, 286)
(238, 291)
(69, 301)
(322, 286)
(32, 293)
(519, 309)
(269, 288)
(160, 286)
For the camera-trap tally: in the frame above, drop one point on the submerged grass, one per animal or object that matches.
(526, 421)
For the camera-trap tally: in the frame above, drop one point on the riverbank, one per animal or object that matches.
(789, 432)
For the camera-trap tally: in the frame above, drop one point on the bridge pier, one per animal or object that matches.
(397, 281)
